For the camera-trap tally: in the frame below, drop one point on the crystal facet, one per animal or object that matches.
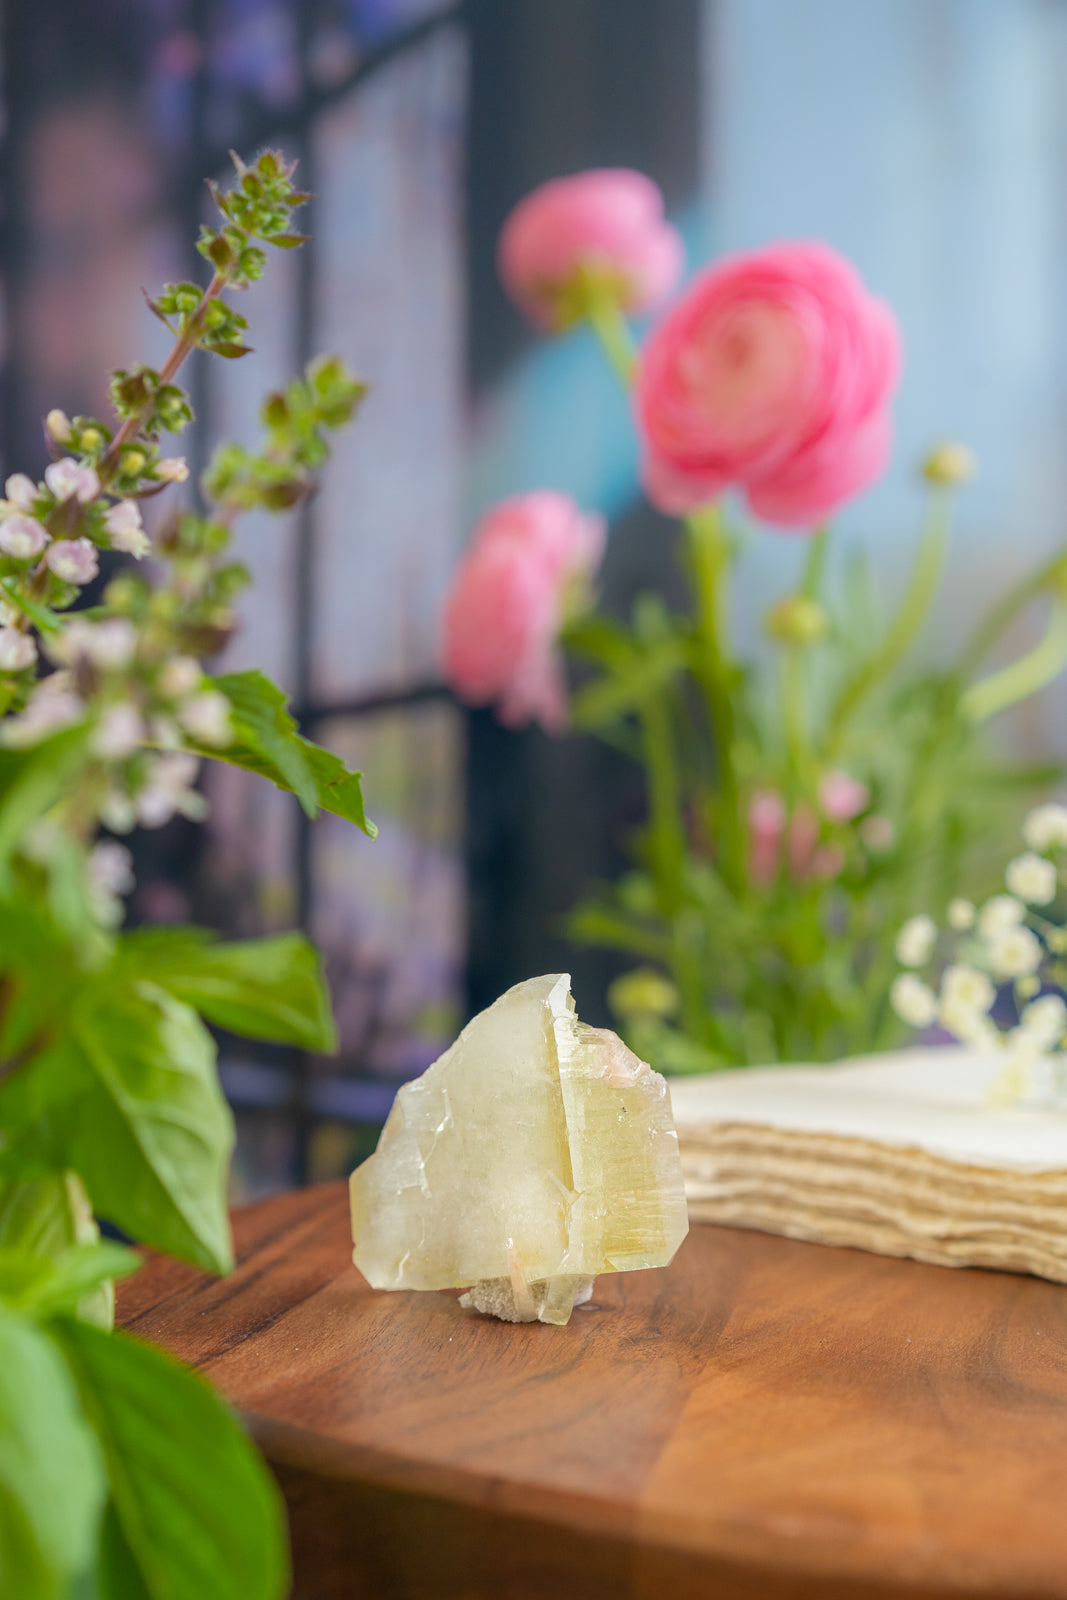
(534, 1154)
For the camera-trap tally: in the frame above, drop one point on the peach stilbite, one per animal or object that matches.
(772, 374)
(608, 224)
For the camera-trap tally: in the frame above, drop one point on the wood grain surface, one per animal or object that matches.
(763, 1420)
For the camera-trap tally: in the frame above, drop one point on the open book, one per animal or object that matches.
(903, 1154)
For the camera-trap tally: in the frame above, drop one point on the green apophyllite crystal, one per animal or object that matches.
(534, 1154)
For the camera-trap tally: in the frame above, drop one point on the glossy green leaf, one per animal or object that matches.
(129, 1098)
(51, 1477)
(48, 1215)
(267, 741)
(262, 988)
(45, 1286)
(199, 1514)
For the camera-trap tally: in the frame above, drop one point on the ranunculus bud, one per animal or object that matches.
(58, 425)
(607, 225)
(21, 491)
(123, 524)
(772, 373)
(949, 465)
(66, 479)
(797, 620)
(22, 537)
(74, 560)
(507, 605)
(17, 650)
(842, 797)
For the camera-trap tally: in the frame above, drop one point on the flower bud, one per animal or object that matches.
(797, 620)
(172, 469)
(21, 491)
(91, 439)
(207, 718)
(123, 523)
(66, 479)
(643, 992)
(950, 464)
(119, 733)
(17, 650)
(74, 560)
(180, 676)
(22, 537)
(58, 426)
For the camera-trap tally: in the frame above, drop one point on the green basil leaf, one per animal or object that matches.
(47, 1214)
(261, 988)
(199, 1514)
(129, 1098)
(51, 1477)
(46, 1286)
(30, 782)
(266, 740)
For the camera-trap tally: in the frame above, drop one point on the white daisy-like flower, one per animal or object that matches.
(961, 914)
(1046, 826)
(913, 1001)
(968, 986)
(1001, 912)
(916, 940)
(1043, 1022)
(969, 1025)
(1032, 878)
(1014, 953)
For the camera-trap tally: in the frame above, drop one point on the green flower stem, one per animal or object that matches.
(1005, 611)
(613, 331)
(667, 842)
(1024, 677)
(795, 721)
(183, 346)
(710, 559)
(815, 564)
(905, 626)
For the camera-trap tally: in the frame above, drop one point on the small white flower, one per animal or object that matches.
(170, 789)
(1032, 878)
(1043, 1022)
(916, 940)
(105, 644)
(960, 915)
(117, 812)
(123, 523)
(172, 469)
(1001, 912)
(22, 537)
(165, 733)
(207, 718)
(180, 677)
(52, 705)
(17, 650)
(967, 986)
(66, 479)
(110, 867)
(1046, 826)
(913, 1001)
(74, 560)
(119, 733)
(58, 424)
(969, 1026)
(1014, 953)
(21, 491)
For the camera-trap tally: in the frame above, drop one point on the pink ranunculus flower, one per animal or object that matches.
(773, 374)
(842, 797)
(609, 222)
(508, 602)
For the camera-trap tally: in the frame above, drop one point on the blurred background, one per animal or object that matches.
(926, 139)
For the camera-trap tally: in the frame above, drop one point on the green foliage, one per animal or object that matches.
(266, 741)
(192, 1509)
(122, 1476)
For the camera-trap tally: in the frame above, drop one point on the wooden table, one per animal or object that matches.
(764, 1419)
